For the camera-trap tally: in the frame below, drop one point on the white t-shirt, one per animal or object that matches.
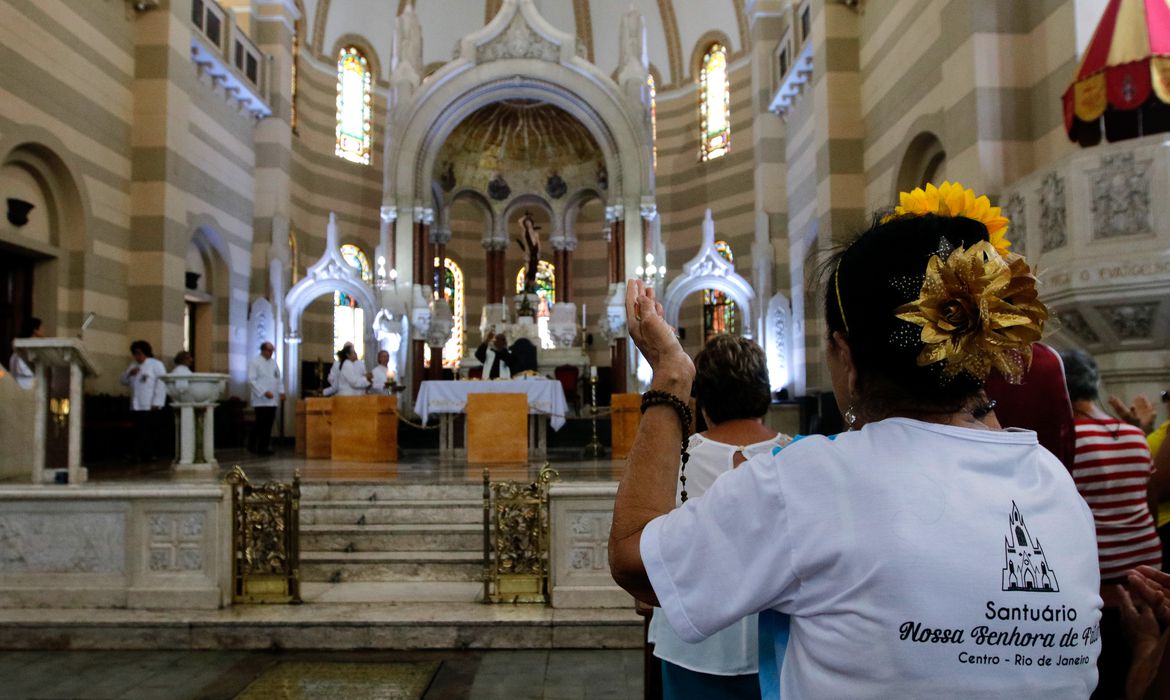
(732, 650)
(378, 380)
(146, 391)
(916, 561)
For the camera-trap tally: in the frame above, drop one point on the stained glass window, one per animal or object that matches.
(653, 122)
(453, 293)
(349, 320)
(546, 289)
(715, 104)
(718, 309)
(353, 106)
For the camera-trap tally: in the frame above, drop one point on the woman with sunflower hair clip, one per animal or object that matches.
(925, 552)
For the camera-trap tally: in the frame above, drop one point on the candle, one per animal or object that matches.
(593, 371)
(583, 315)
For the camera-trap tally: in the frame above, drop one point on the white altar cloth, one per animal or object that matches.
(545, 396)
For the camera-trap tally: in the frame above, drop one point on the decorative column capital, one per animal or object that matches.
(562, 242)
(494, 244)
(440, 235)
(615, 212)
(424, 215)
(389, 213)
(648, 209)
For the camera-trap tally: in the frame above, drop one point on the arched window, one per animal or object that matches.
(546, 289)
(715, 104)
(653, 122)
(453, 293)
(718, 309)
(353, 106)
(349, 320)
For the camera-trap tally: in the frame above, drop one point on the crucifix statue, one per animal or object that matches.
(530, 244)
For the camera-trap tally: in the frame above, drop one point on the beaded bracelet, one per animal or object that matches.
(655, 397)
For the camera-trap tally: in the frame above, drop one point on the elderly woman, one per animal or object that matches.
(732, 391)
(925, 553)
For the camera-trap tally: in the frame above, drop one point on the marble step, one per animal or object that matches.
(407, 537)
(348, 567)
(392, 592)
(334, 626)
(382, 491)
(391, 512)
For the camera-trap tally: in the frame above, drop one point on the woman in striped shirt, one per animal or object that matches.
(1112, 470)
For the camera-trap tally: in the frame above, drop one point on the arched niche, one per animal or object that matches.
(518, 55)
(924, 161)
(328, 275)
(49, 247)
(709, 270)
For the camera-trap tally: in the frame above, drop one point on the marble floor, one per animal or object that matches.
(214, 675)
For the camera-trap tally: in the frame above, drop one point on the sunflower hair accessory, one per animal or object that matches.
(952, 199)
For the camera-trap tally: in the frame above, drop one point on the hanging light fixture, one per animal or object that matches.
(651, 274)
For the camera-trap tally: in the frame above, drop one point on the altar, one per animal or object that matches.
(449, 399)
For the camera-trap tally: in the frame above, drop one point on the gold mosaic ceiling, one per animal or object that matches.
(513, 137)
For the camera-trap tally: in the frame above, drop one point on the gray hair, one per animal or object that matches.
(1081, 375)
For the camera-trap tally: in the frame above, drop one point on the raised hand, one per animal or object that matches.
(655, 338)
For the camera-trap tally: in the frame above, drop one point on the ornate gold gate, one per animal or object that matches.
(516, 539)
(265, 532)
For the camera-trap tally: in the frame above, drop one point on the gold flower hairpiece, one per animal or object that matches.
(951, 199)
(978, 310)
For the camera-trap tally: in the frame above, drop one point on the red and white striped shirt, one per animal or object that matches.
(1112, 473)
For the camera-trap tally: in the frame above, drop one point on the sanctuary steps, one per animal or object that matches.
(378, 542)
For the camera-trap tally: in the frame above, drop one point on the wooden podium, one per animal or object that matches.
(497, 428)
(365, 428)
(624, 420)
(318, 428)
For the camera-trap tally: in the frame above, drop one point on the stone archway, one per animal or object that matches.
(328, 275)
(518, 55)
(709, 270)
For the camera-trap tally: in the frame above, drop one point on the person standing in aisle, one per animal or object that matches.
(267, 392)
(147, 397)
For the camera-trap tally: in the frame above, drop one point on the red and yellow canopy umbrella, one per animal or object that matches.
(1125, 70)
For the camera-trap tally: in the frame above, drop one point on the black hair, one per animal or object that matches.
(731, 379)
(30, 326)
(343, 355)
(1081, 375)
(143, 346)
(880, 271)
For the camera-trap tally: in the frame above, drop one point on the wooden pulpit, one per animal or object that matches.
(319, 428)
(365, 428)
(624, 419)
(497, 428)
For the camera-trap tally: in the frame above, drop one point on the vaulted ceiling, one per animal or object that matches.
(675, 29)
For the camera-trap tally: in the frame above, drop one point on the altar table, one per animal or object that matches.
(546, 406)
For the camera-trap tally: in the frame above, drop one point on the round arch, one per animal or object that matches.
(924, 161)
(490, 68)
(709, 270)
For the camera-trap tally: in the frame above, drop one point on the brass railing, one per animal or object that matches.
(265, 532)
(516, 539)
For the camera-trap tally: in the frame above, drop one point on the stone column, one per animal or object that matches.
(619, 358)
(421, 269)
(494, 263)
(563, 247)
(439, 236)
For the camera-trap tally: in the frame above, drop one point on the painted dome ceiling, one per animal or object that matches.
(674, 28)
(526, 141)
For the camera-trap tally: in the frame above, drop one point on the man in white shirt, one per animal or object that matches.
(267, 392)
(380, 376)
(147, 396)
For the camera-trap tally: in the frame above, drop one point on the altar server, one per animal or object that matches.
(352, 377)
(380, 377)
(267, 392)
(332, 378)
(147, 397)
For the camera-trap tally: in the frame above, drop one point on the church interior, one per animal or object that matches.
(465, 186)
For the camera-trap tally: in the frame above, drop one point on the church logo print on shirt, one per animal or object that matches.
(1025, 566)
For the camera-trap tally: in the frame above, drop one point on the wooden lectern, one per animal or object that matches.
(624, 420)
(365, 428)
(56, 417)
(497, 428)
(318, 428)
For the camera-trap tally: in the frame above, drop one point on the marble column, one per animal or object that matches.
(439, 236)
(563, 247)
